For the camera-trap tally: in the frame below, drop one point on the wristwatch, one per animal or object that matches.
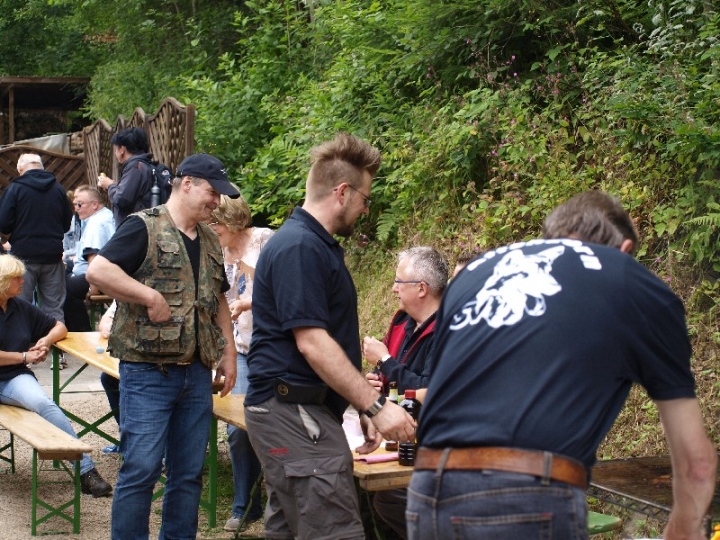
(375, 407)
(383, 360)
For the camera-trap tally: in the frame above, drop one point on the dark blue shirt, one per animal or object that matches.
(537, 346)
(300, 281)
(21, 325)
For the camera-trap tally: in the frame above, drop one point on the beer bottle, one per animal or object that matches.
(406, 450)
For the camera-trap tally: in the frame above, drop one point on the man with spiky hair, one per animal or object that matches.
(305, 356)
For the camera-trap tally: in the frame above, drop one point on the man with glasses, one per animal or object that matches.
(35, 213)
(420, 280)
(97, 228)
(305, 356)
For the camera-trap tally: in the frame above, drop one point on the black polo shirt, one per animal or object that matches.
(21, 325)
(300, 281)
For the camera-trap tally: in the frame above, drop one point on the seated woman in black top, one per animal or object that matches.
(26, 335)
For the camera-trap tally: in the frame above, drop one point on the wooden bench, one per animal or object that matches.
(48, 443)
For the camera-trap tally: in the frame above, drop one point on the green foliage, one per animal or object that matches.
(38, 38)
(488, 112)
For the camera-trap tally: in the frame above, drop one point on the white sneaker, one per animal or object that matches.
(231, 525)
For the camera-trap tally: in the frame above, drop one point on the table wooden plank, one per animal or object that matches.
(379, 476)
(83, 345)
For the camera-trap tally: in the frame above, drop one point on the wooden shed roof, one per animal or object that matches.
(60, 93)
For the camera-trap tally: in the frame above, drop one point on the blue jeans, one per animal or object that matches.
(24, 391)
(160, 411)
(245, 464)
(492, 504)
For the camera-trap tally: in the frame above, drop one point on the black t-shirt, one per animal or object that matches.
(538, 344)
(300, 281)
(21, 325)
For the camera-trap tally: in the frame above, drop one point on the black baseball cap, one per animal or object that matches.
(211, 169)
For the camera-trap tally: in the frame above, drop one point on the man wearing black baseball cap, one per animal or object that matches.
(164, 266)
(211, 169)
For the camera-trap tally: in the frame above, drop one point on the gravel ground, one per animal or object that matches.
(15, 488)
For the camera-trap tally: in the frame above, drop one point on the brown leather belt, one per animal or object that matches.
(544, 465)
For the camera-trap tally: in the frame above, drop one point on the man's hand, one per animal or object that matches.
(373, 349)
(227, 368)
(374, 381)
(394, 423)
(158, 308)
(104, 181)
(372, 436)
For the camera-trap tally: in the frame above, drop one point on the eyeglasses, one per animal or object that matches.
(400, 281)
(213, 223)
(79, 204)
(367, 201)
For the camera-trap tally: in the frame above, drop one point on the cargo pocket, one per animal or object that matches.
(217, 265)
(171, 289)
(169, 254)
(163, 338)
(323, 482)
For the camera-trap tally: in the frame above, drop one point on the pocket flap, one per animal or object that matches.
(165, 285)
(301, 468)
(168, 246)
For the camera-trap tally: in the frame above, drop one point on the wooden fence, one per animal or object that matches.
(171, 133)
(69, 170)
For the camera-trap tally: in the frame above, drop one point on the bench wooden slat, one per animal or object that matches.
(50, 441)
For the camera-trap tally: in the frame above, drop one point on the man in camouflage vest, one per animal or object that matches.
(165, 268)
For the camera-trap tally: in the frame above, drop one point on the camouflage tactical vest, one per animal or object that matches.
(167, 269)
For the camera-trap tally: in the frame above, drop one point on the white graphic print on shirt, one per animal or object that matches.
(518, 285)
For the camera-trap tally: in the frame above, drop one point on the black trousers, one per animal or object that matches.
(76, 314)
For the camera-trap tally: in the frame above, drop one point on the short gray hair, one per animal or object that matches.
(429, 266)
(26, 159)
